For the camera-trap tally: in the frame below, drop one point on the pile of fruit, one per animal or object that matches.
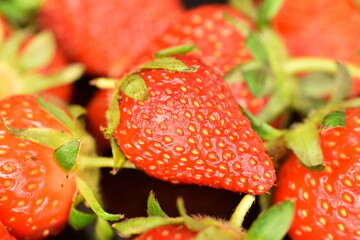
(257, 98)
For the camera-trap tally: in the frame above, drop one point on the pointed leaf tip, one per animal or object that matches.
(66, 154)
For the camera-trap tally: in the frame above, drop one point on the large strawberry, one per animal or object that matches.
(191, 129)
(36, 194)
(324, 28)
(327, 202)
(107, 35)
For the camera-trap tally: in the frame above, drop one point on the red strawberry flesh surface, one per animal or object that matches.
(327, 203)
(192, 131)
(35, 194)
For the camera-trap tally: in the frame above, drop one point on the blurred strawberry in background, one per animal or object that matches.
(106, 35)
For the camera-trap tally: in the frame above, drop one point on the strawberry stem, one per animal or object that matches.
(237, 218)
(307, 64)
(85, 161)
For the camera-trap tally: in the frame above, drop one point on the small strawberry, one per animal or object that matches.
(220, 43)
(4, 234)
(37, 193)
(191, 130)
(32, 63)
(326, 202)
(92, 31)
(96, 118)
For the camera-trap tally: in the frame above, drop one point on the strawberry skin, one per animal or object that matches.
(168, 232)
(107, 34)
(35, 194)
(327, 203)
(4, 234)
(220, 43)
(192, 131)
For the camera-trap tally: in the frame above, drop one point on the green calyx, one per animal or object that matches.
(277, 217)
(23, 58)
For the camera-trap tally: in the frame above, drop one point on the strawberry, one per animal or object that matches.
(220, 44)
(325, 28)
(35, 194)
(43, 166)
(326, 202)
(90, 30)
(96, 118)
(191, 130)
(4, 234)
(168, 232)
(32, 63)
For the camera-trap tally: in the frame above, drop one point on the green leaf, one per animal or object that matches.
(90, 198)
(264, 130)
(66, 154)
(170, 64)
(182, 49)
(242, 26)
(139, 225)
(272, 224)
(316, 85)
(59, 114)
(38, 52)
(79, 220)
(267, 10)
(112, 115)
(254, 44)
(256, 80)
(118, 156)
(103, 230)
(45, 136)
(334, 119)
(303, 140)
(134, 87)
(245, 6)
(9, 50)
(342, 86)
(77, 111)
(153, 207)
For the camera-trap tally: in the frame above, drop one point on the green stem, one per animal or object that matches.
(101, 162)
(307, 64)
(237, 218)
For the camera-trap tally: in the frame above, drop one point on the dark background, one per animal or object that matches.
(127, 192)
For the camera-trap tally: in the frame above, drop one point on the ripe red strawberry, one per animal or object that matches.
(327, 203)
(35, 193)
(220, 43)
(106, 35)
(4, 234)
(323, 28)
(191, 130)
(96, 118)
(168, 232)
